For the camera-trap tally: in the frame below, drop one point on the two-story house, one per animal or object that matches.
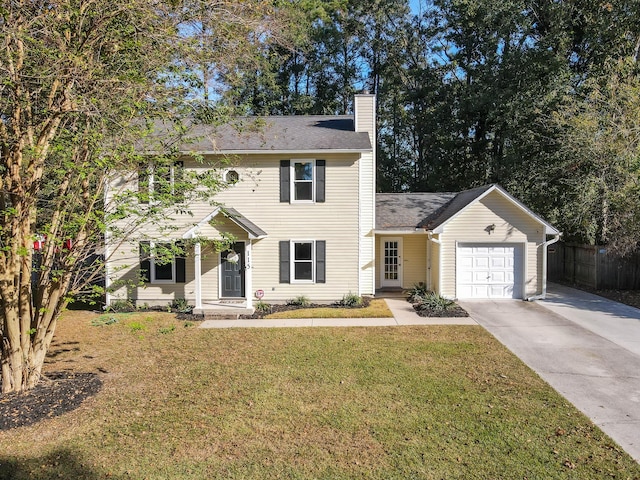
(301, 204)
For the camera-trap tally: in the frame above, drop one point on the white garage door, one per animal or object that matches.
(488, 271)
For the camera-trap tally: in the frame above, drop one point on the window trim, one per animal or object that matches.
(293, 181)
(152, 267)
(293, 261)
(226, 176)
(150, 170)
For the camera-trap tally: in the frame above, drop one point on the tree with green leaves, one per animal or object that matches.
(81, 83)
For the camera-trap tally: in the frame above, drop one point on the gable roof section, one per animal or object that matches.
(406, 212)
(253, 231)
(274, 134)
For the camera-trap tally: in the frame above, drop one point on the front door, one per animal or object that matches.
(232, 272)
(391, 262)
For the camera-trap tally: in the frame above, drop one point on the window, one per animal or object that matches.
(162, 264)
(231, 177)
(303, 181)
(302, 261)
(159, 265)
(157, 180)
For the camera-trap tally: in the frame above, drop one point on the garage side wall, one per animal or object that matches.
(512, 226)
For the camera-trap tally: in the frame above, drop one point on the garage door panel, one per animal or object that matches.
(486, 271)
(479, 276)
(498, 277)
(466, 277)
(481, 262)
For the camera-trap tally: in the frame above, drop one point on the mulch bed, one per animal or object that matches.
(275, 308)
(454, 311)
(56, 394)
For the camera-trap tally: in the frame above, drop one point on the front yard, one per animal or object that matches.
(399, 402)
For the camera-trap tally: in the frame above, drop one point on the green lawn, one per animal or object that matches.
(370, 403)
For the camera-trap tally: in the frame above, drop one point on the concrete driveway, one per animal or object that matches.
(584, 346)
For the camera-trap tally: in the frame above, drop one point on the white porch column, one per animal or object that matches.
(248, 276)
(197, 258)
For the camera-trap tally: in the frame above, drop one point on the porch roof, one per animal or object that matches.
(253, 231)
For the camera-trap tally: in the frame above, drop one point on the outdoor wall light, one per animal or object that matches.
(490, 228)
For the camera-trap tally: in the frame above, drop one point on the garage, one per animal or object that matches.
(480, 243)
(489, 271)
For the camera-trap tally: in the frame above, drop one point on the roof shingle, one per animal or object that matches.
(274, 133)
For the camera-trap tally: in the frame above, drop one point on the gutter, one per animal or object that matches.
(544, 268)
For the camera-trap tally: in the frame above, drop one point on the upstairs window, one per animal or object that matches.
(302, 181)
(158, 180)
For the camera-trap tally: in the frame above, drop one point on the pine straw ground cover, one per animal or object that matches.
(385, 403)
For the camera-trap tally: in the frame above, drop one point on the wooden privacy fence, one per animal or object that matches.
(592, 266)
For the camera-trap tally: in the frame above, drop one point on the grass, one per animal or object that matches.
(376, 309)
(347, 403)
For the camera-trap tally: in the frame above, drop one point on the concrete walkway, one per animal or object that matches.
(403, 314)
(584, 346)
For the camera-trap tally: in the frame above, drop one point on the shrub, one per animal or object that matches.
(121, 306)
(435, 302)
(180, 305)
(350, 300)
(416, 293)
(300, 301)
(263, 307)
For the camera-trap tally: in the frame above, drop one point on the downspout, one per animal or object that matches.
(439, 243)
(544, 268)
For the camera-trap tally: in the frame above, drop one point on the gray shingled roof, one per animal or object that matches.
(243, 222)
(407, 211)
(276, 133)
(458, 202)
(412, 211)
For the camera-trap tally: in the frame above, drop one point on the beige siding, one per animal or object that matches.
(367, 217)
(256, 197)
(434, 266)
(512, 225)
(414, 259)
(365, 121)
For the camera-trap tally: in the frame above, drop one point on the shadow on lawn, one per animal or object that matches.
(61, 463)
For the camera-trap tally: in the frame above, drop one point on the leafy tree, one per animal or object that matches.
(598, 162)
(81, 83)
